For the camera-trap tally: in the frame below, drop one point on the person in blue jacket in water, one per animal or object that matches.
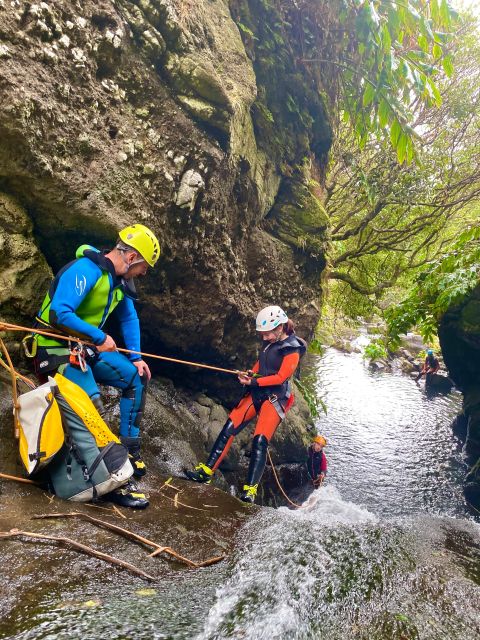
(80, 299)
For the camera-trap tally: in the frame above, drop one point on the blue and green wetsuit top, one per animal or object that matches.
(82, 296)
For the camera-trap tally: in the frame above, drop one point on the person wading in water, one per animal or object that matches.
(268, 396)
(81, 297)
(430, 366)
(317, 461)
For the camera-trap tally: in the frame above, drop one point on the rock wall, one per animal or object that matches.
(178, 115)
(157, 111)
(459, 334)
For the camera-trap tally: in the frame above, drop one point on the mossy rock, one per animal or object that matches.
(299, 219)
(188, 76)
(24, 273)
(206, 112)
(470, 317)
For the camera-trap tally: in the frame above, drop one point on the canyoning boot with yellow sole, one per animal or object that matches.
(134, 455)
(201, 473)
(128, 496)
(258, 458)
(249, 493)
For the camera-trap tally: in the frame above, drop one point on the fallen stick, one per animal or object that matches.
(118, 512)
(168, 483)
(17, 479)
(123, 532)
(16, 533)
(96, 506)
(177, 502)
(210, 561)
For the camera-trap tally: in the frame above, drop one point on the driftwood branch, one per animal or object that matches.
(78, 546)
(131, 536)
(17, 479)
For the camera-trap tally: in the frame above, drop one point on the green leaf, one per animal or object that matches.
(410, 150)
(383, 113)
(373, 15)
(435, 92)
(437, 51)
(402, 147)
(434, 10)
(386, 39)
(423, 43)
(426, 28)
(447, 65)
(368, 95)
(395, 132)
(445, 13)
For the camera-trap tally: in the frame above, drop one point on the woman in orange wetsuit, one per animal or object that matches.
(268, 396)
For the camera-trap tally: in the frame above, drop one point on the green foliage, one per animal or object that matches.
(389, 222)
(315, 346)
(388, 59)
(375, 350)
(314, 402)
(443, 284)
(246, 30)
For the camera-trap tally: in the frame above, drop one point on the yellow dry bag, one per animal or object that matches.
(41, 431)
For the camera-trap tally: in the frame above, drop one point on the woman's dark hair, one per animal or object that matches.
(289, 327)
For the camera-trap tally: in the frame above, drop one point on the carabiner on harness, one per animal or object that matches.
(77, 356)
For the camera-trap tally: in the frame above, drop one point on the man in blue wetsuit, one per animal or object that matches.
(81, 297)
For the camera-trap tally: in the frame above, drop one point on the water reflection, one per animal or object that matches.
(391, 444)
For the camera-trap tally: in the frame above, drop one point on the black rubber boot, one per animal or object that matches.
(223, 437)
(249, 493)
(128, 496)
(133, 446)
(258, 459)
(201, 473)
(204, 472)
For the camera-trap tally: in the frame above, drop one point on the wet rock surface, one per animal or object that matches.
(459, 333)
(34, 570)
(179, 429)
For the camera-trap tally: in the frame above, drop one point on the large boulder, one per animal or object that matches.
(115, 112)
(459, 334)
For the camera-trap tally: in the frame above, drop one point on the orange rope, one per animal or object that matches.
(6, 326)
(294, 504)
(16, 406)
(19, 376)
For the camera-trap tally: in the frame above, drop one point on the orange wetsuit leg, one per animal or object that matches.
(240, 416)
(268, 421)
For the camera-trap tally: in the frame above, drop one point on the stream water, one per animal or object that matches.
(389, 550)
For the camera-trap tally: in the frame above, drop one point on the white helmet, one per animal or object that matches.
(270, 317)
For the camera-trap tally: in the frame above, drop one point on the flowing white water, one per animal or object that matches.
(376, 552)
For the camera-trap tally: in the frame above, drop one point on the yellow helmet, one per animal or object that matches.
(320, 440)
(140, 238)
